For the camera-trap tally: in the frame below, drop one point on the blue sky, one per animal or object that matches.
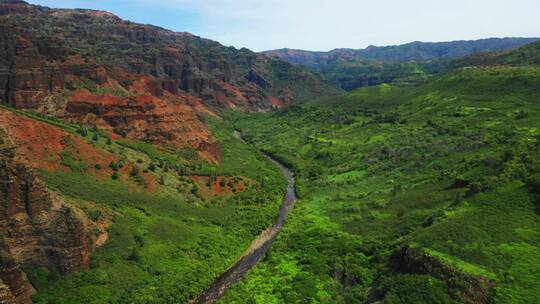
(327, 24)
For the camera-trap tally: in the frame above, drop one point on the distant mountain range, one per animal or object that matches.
(526, 55)
(81, 63)
(411, 62)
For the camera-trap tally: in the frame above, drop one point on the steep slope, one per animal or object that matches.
(425, 194)
(37, 226)
(414, 51)
(137, 81)
(410, 62)
(526, 55)
(111, 137)
(174, 222)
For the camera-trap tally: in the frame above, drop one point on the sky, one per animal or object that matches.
(323, 25)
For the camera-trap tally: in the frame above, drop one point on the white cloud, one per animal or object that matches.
(327, 24)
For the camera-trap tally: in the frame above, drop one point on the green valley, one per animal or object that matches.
(406, 64)
(401, 187)
(142, 165)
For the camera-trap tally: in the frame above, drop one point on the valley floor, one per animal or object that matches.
(424, 194)
(174, 222)
(408, 194)
(258, 248)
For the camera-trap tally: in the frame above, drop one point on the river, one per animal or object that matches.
(259, 246)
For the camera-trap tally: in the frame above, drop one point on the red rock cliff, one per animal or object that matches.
(37, 226)
(141, 81)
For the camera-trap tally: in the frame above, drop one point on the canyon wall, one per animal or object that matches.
(37, 227)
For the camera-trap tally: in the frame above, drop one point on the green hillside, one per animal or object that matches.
(139, 165)
(167, 241)
(410, 63)
(408, 194)
(527, 55)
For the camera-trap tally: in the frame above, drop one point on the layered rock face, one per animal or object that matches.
(139, 81)
(414, 261)
(37, 227)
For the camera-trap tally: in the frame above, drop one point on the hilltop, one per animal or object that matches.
(134, 80)
(408, 63)
(138, 165)
(410, 194)
(116, 167)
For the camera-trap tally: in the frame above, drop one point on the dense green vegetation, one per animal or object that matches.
(168, 246)
(410, 63)
(449, 168)
(421, 187)
(527, 55)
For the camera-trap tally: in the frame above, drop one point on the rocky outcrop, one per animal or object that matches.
(37, 227)
(14, 285)
(474, 289)
(139, 75)
(15, 7)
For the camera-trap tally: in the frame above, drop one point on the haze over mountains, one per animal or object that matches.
(96, 67)
(350, 68)
(138, 165)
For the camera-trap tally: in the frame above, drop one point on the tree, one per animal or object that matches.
(113, 166)
(152, 167)
(195, 189)
(474, 188)
(457, 199)
(134, 171)
(533, 183)
(95, 137)
(395, 189)
(134, 256)
(83, 131)
(115, 175)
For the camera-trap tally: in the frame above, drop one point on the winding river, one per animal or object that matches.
(258, 247)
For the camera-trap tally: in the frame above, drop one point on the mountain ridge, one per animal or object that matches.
(409, 63)
(511, 42)
(136, 80)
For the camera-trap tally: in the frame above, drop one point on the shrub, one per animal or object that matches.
(521, 115)
(411, 288)
(113, 166)
(115, 175)
(139, 240)
(94, 215)
(134, 255)
(139, 180)
(195, 189)
(82, 130)
(533, 183)
(474, 188)
(134, 171)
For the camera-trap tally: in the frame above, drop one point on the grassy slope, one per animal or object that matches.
(527, 55)
(165, 246)
(439, 167)
(410, 63)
